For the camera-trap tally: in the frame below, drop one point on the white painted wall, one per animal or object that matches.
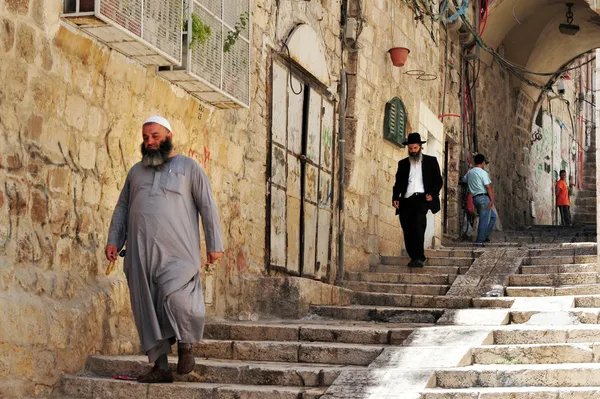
(432, 130)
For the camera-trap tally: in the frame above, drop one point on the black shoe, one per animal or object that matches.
(412, 263)
(420, 263)
(156, 376)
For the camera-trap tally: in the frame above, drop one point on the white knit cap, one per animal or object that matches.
(160, 120)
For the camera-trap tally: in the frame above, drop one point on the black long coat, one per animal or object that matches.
(432, 181)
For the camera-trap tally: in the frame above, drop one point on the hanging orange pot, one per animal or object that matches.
(399, 55)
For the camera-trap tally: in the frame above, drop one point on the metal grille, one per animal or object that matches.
(228, 71)
(207, 58)
(125, 13)
(163, 25)
(235, 73)
(232, 11)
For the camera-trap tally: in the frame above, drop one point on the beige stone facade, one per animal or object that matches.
(70, 112)
(70, 116)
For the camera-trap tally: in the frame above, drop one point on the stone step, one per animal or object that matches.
(568, 251)
(536, 354)
(396, 269)
(558, 260)
(413, 301)
(540, 375)
(453, 261)
(584, 210)
(97, 387)
(351, 333)
(389, 288)
(584, 214)
(217, 371)
(589, 192)
(290, 352)
(555, 279)
(583, 201)
(573, 268)
(587, 301)
(570, 316)
(522, 334)
(379, 313)
(583, 289)
(449, 253)
(439, 279)
(497, 302)
(513, 393)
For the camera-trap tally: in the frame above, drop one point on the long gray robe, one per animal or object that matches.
(157, 214)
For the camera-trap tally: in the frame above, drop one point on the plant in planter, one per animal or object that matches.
(232, 36)
(200, 31)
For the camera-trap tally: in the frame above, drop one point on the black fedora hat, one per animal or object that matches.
(414, 138)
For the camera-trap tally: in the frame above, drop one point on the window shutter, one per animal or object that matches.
(394, 124)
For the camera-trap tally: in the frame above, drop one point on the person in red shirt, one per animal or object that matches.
(562, 199)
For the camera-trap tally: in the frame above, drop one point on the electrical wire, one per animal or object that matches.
(290, 71)
(445, 71)
(514, 69)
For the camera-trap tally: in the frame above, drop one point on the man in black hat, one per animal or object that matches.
(417, 190)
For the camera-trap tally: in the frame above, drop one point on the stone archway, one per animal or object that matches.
(311, 58)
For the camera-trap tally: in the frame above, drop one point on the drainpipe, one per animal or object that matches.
(555, 210)
(474, 92)
(342, 148)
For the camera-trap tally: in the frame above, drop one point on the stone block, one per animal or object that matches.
(20, 7)
(266, 351)
(338, 354)
(188, 390)
(475, 317)
(344, 334)
(7, 34)
(214, 349)
(263, 332)
(26, 42)
(76, 387)
(105, 388)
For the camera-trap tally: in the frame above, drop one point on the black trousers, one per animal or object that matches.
(413, 219)
(565, 214)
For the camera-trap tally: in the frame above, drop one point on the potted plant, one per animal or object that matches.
(399, 55)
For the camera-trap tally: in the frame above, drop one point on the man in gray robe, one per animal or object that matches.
(157, 216)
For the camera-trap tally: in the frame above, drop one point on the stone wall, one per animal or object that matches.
(561, 145)
(372, 228)
(70, 117)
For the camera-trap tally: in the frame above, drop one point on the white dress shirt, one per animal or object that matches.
(415, 178)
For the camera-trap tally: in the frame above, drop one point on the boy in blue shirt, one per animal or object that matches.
(480, 187)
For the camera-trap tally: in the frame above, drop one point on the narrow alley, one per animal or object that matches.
(320, 147)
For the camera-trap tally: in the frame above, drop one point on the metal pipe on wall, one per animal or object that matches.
(339, 278)
(342, 149)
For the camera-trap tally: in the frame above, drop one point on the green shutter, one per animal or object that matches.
(394, 124)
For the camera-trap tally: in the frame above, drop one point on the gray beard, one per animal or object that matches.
(153, 160)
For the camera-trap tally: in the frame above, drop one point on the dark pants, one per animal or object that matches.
(413, 219)
(565, 215)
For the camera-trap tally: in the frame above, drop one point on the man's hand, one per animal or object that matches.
(213, 257)
(428, 198)
(491, 205)
(111, 253)
(396, 204)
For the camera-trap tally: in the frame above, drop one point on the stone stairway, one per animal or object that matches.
(297, 359)
(549, 348)
(393, 292)
(584, 206)
(544, 234)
